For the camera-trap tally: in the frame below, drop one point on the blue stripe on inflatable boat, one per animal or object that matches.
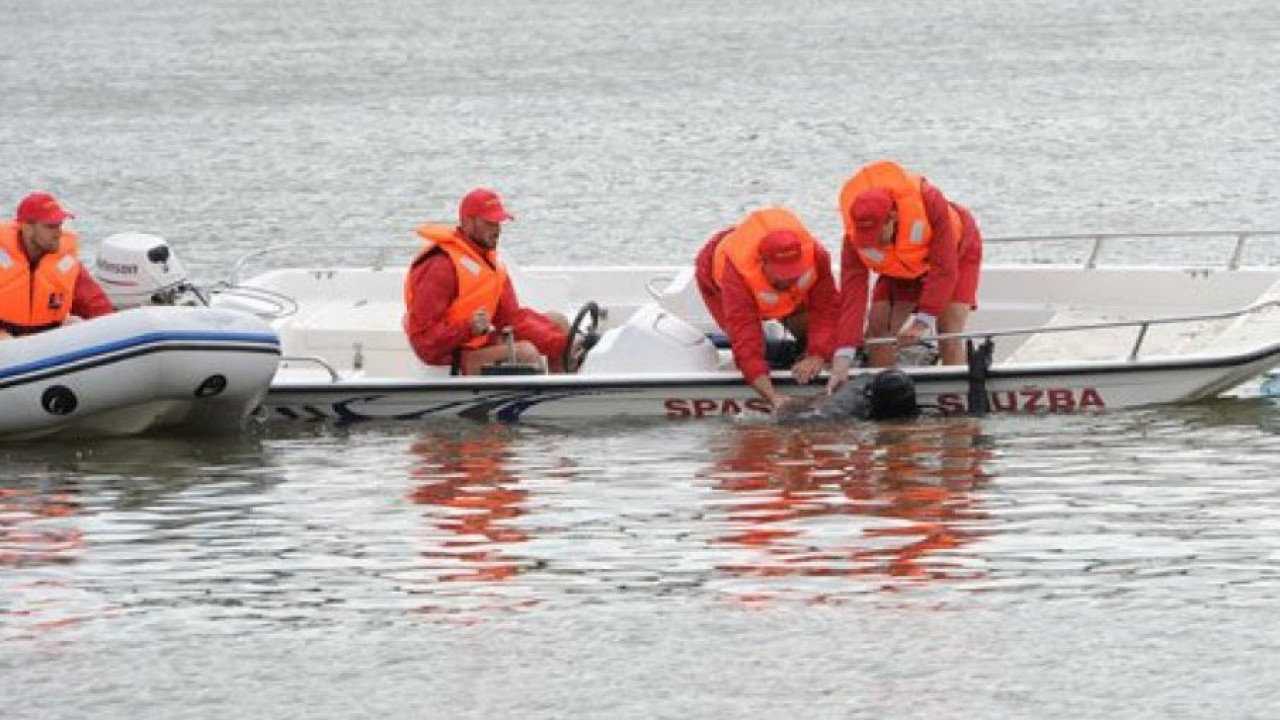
(135, 341)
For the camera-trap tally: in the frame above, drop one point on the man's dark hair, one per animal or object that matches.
(892, 394)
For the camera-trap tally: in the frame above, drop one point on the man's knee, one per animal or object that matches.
(878, 320)
(560, 320)
(953, 318)
(878, 327)
(527, 353)
(524, 352)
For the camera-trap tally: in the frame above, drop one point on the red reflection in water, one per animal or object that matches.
(789, 484)
(465, 477)
(34, 534)
(26, 540)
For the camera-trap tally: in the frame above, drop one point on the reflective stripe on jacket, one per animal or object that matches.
(908, 256)
(39, 298)
(741, 248)
(481, 276)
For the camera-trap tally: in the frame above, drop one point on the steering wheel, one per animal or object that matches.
(587, 332)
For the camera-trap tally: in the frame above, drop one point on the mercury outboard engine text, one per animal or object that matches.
(138, 269)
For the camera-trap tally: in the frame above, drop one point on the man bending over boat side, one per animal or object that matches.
(927, 252)
(769, 267)
(459, 297)
(42, 284)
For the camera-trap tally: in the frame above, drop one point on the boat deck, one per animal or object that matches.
(348, 321)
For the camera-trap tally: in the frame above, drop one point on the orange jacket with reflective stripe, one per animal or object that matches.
(481, 276)
(39, 298)
(741, 248)
(907, 258)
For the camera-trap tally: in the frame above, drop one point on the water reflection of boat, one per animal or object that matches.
(112, 504)
(895, 502)
(26, 538)
(37, 532)
(473, 498)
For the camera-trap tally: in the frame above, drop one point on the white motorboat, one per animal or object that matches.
(1080, 336)
(184, 368)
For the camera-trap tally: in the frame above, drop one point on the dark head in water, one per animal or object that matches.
(886, 395)
(892, 394)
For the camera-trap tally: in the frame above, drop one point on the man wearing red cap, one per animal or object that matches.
(459, 297)
(42, 284)
(769, 267)
(927, 253)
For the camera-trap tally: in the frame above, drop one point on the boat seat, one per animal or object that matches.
(682, 298)
(652, 338)
(341, 323)
(544, 292)
(1007, 316)
(1253, 329)
(362, 334)
(1110, 343)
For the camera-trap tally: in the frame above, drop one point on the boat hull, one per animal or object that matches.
(194, 370)
(1057, 388)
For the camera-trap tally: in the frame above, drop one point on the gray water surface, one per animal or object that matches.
(1125, 565)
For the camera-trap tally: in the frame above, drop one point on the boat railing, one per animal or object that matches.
(1143, 326)
(381, 255)
(334, 375)
(1094, 244)
(1097, 241)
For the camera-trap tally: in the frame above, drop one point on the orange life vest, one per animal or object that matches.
(39, 298)
(741, 249)
(481, 276)
(907, 257)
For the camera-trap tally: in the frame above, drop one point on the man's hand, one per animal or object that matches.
(807, 368)
(4, 335)
(480, 322)
(839, 373)
(916, 327)
(782, 403)
(764, 387)
(577, 351)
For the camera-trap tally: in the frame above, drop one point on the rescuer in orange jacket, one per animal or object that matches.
(42, 283)
(927, 253)
(459, 297)
(770, 267)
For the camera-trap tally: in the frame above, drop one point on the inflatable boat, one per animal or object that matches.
(186, 368)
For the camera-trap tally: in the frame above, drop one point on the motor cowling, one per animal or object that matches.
(138, 269)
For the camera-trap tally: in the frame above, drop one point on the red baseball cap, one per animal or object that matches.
(781, 250)
(870, 211)
(41, 207)
(484, 204)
